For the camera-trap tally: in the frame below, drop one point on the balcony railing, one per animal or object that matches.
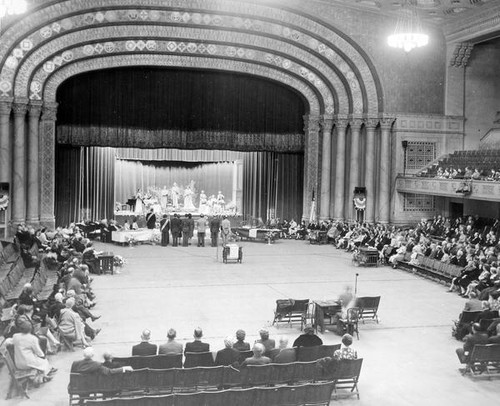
(465, 188)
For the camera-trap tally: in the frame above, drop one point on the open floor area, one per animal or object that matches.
(409, 358)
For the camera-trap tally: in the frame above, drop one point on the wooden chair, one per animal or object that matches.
(256, 375)
(327, 350)
(198, 359)
(291, 311)
(200, 378)
(319, 394)
(345, 375)
(368, 307)
(305, 372)
(244, 355)
(352, 320)
(19, 378)
(306, 354)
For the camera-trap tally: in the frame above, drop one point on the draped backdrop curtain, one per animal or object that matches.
(211, 177)
(90, 180)
(273, 185)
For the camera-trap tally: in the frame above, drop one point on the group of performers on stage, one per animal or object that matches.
(163, 200)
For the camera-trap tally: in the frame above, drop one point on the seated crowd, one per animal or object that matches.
(264, 350)
(39, 328)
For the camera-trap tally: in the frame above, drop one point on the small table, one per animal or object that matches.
(106, 262)
(325, 309)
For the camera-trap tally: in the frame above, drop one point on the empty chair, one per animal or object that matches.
(345, 375)
(291, 311)
(198, 359)
(368, 308)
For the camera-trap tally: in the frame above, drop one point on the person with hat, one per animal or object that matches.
(201, 227)
(308, 339)
(145, 347)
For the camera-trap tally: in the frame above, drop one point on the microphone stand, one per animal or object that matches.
(356, 285)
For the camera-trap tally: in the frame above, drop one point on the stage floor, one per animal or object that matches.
(409, 358)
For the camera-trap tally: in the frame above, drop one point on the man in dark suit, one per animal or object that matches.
(151, 219)
(164, 229)
(227, 356)
(88, 366)
(186, 230)
(308, 339)
(197, 345)
(144, 347)
(175, 226)
(477, 337)
(214, 230)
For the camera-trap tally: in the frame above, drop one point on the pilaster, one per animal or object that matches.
(338, 209)
(384, 198)
(19, 107)
(33, 190)
(5, 141)
(354, 167)
(311, 173)
(326, 167)
(369, 181)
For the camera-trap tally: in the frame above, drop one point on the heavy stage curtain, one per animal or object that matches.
(210, 177)
(85, 180)
(149, 107)
(273, 185)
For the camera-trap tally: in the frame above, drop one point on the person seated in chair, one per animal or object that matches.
(240, 343)
(258, 356)
(172, 346)
(495, 339)
(197, 345)
(228, 355)
(267, 342)
(477, 337)
(144, 347)
(346, 351)
(88, 366)
(473, 304)
(283, 354)
(308, 339)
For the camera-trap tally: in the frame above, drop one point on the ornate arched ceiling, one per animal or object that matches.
(59, 39)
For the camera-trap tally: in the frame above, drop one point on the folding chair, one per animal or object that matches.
(244, 355)
(256, 375)
(161, 380)
(198, 359)
(346, 375)
(290, 311)
(19, 378)
(352, 321)
(306, 354)
(319, 394)
(368, 308)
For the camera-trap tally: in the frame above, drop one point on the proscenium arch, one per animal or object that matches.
(291, 26)
(307, 93)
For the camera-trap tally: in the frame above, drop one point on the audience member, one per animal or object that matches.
(228, 355)
(283, 354)
(197, 345)
(258, 357)
(172, 346)
(144, 347)
(240, 343)
(477, 337)
(346, 351)
(88, 366)
(308, 339)
(267, 342)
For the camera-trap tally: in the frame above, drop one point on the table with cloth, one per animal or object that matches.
(325, 309)
(141, 235)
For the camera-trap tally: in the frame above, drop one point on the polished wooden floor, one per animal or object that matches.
(409, 358)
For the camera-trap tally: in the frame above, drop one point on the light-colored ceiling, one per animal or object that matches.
(429, 10)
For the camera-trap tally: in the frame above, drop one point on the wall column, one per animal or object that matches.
(47, 135)
(5, 142)
(384, 190)
(354, 166)
(33, 191)
(19, 163)
(326, 168)
(369, 181)
(311, 155)
(338, 210)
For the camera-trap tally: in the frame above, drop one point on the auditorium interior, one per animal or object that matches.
(303, 123)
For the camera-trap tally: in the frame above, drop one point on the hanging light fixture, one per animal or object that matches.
(408, 33)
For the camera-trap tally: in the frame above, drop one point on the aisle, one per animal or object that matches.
(409, 358)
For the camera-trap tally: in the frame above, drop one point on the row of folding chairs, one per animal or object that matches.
(448, 271)
(177, 380)
(309, 394)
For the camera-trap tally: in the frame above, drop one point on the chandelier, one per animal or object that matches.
(12, 7)
(408, 33)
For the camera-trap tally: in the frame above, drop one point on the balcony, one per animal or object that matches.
(467, 189)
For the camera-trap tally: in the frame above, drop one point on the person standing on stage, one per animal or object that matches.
(186, 230)
(201, 227)
(151, 219)
(225, 230)
(176, 227)
(164, 229)
(214, 230)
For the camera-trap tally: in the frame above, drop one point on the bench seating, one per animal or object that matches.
(484, 359)
(432, 268)
(151, 361)
(317, 394)
(180, 380)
